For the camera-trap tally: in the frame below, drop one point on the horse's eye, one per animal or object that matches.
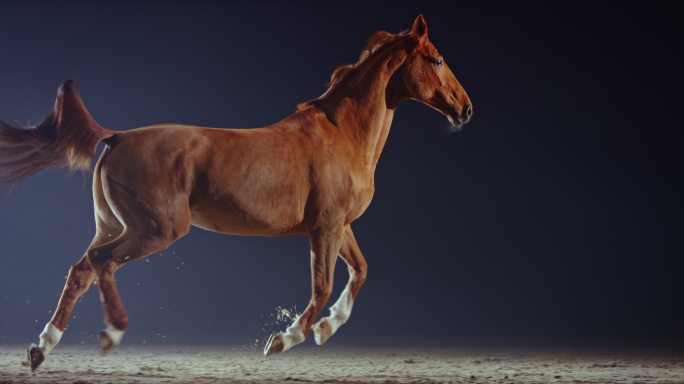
(433, 60)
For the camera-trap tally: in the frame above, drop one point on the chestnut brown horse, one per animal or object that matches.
(310, 173)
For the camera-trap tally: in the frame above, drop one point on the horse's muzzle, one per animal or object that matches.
(458, 119)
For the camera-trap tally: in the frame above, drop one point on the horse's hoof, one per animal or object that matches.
(274, 344)
(106, 342)
(322, 332)
(34, 356)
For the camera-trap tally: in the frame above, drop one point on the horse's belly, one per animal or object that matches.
(226, 217)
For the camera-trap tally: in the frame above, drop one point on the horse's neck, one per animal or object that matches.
(360, 107)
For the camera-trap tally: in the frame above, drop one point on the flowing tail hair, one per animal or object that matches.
(67, 138)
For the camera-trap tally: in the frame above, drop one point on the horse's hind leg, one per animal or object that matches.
(325, 246)
(341, 310)
(149, 226)
(79, 279)
(105, 260)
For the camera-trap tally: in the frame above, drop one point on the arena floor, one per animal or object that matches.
(331, 364)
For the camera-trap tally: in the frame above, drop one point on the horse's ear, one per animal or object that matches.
(419, 30)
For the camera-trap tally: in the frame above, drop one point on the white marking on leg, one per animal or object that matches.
(293, 335)
(341, 310)
(115, 335)
(339, 314)
(49, 338)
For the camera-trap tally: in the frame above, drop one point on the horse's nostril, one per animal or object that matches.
(468, 111)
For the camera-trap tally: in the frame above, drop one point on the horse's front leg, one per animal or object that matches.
(325, 245)
(341, 310)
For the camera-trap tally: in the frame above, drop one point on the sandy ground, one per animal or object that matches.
(207, 364)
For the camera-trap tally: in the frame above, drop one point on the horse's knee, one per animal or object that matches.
(363, 272)
(359, 272)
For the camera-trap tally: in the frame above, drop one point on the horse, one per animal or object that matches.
(311, 173)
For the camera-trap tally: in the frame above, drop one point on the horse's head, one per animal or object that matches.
(427, 78)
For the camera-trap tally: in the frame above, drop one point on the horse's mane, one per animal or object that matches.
(373, 44)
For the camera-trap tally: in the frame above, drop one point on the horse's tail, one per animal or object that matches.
(67, 137)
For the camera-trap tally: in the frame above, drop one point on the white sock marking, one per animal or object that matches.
(49, 338)
(341, 310)
(114, 334)
(293, 335)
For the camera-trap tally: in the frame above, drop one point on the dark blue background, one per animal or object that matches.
(554, 217)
